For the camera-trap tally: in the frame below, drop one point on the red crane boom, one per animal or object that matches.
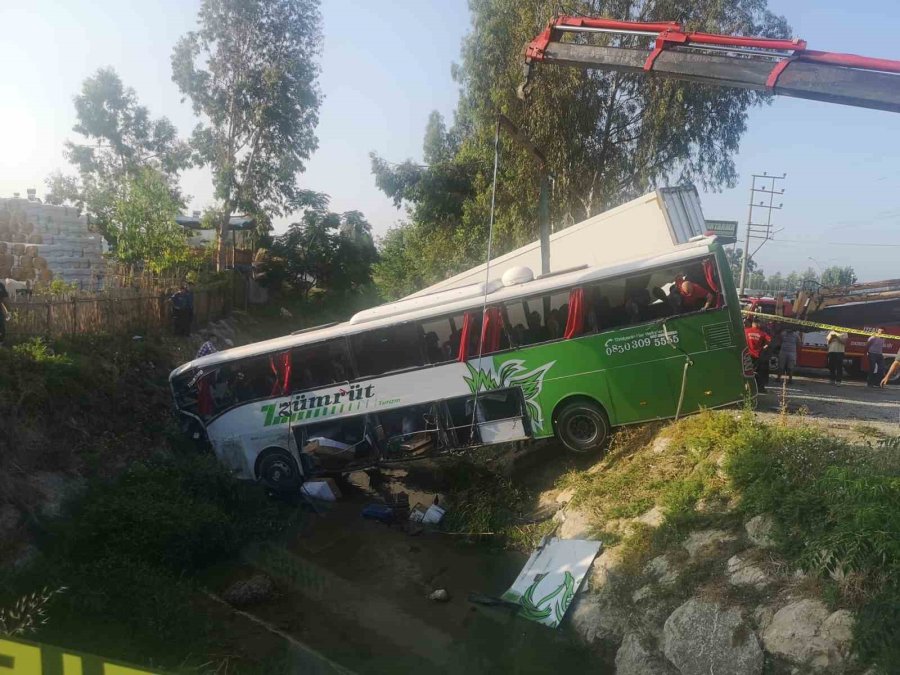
(784, 67)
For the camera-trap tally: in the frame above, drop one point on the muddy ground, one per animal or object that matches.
(354, 593)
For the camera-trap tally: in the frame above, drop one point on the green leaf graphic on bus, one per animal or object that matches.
(542, 609)
(513, 373)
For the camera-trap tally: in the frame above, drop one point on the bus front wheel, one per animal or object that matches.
(582, 426)
(278, 470)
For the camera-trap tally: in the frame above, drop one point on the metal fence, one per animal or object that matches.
(116, 311)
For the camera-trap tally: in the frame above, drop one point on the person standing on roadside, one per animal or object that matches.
(4, 311)
(875, 352)
(758, 341)
(787, 357)
(837, 345)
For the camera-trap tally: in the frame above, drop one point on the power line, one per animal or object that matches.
(833, 243)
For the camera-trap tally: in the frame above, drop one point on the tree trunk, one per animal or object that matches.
(222, 245)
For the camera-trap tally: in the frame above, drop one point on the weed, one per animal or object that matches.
(485, 503)
(28, 613)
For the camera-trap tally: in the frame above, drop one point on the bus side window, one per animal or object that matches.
(384, 350)
(254, 379)
(442, 338)
(320, 364)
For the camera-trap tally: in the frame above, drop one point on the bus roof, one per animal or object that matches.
(465, 301)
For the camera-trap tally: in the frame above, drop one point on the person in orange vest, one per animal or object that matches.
(758, 342)
(694, 296)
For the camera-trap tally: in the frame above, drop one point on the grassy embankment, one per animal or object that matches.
(149, 515)
(836, 507)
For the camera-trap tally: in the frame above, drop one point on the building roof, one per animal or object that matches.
(234, 223)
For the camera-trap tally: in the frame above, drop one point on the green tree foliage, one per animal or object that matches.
(250, 71)
(143, 224)
(119, 139)
(809, 279)
(325, 250)
(608, 136)
(838, 276)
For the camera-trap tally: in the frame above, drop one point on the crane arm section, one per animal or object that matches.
(784, 67)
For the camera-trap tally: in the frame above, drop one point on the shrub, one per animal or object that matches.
(131, 548)
(839, 511)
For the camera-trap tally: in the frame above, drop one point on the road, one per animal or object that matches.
(850, 404)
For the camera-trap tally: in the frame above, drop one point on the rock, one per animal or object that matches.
(839, 628)
(642, 593)
(660, 444)
(638, 656)
(703, 540)
(760, 530)
(55, 489)
(249, 591)
(806, 634)
(660, 568)
(763, 617)
(565, 496)
(604, 567)
(742, 572)
(595, 619)
(24, 556)
(576, 524)
(440, 595)
(700, 637)
(9, 521)
(652, 518)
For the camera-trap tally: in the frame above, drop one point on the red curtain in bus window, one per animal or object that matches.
(710, 273)
(468, 320)
(205, 404)
(575, 320)
(491, 329)
(281, 366)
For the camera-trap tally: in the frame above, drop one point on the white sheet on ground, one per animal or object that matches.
(547, 584)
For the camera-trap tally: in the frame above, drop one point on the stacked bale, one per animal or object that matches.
(42, 242)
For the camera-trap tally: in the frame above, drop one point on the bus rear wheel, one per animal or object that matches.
(278, 471)
(582, 426)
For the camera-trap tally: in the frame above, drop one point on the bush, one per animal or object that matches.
(839, 509)
(131, 548)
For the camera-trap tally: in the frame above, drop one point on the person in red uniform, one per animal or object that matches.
(758, 342)
(694, 296)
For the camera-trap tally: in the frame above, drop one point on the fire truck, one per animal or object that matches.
(865, 306)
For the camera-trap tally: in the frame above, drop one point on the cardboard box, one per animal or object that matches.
(323, 489)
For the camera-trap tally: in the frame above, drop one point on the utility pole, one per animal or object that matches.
(759, 230)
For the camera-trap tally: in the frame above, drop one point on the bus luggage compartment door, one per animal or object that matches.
(490, 417)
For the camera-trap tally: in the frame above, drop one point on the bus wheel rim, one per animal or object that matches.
(583, 428)
(279, 470)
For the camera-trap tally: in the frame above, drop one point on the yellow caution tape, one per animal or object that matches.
(812, 324)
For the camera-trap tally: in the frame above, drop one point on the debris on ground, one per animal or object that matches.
(250, 591)
(439, 595)
(380, 512)
(547, 584)
(323, 489)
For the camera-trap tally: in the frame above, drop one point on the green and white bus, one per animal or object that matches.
(570, 354)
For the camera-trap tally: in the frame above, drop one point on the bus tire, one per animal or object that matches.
(277, 469)
(582, 426)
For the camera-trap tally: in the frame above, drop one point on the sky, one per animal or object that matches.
(386, 66)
